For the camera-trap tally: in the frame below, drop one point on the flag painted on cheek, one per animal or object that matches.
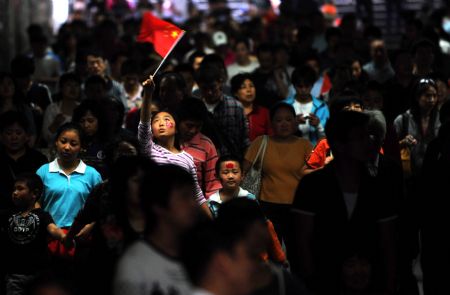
(162, 34)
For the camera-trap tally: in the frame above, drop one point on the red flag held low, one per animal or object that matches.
(162, 34)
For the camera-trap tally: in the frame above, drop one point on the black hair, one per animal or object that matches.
(93, 52)
(242, 40)
(10, 118)
(237, 81)
(130, 67)
(22, 66)
(96, 79)
(312, 55)
(281, 47)
(231, 227)
(157, 187)
(208, 75)
(184, 67)
(33, 182)
(6, 75)
(280, 105)
(192, 108)
(215, 60)
(111, 148)
(174, 76)
(304, 74)
(331, 32)
(264, 47)
(194, 55)
(96, 108)
(339, 125)
(344, 99)
(225, 159)
(70, 126)
(66, 77)
(423, 43)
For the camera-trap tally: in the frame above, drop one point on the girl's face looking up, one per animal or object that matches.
(163, 125)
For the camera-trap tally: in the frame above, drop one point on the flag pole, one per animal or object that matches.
(165, 57)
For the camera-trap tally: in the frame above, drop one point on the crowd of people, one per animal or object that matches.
(115, 181)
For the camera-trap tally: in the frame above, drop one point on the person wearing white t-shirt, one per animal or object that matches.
(312, 113)
(244, 62)
(151, 265)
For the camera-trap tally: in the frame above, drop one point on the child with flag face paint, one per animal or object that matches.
(158, 139)
(229, 172)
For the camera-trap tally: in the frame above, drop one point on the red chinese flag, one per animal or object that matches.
(162, 34)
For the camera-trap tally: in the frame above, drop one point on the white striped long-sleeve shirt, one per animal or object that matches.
(163, 156)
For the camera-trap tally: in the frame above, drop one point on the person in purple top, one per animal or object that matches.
(157, 139)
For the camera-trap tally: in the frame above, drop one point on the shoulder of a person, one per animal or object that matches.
(203, 137)
(92, 171)
(43, 169)
(257, 141)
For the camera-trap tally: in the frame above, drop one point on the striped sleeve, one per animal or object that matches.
(145, 138)
(191, 168)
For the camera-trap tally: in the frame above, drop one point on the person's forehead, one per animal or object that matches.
(229, 164)
(163, 115)
(20, 183)
(94, 58)
(14, 126)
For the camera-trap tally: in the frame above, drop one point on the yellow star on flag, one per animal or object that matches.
(174, 34)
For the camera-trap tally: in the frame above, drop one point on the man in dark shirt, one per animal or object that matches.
(227, 127)
(342, 210)
(16, 157)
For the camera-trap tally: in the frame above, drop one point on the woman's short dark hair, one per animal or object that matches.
(237, 81)
(68, 77)
(281, 105)
(10, 118)
(98, 111)
(69, 126)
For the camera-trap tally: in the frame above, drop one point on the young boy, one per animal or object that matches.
(229, 173)
(24, 232)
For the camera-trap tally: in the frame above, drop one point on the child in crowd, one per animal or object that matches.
(24, 233)
(229, 172)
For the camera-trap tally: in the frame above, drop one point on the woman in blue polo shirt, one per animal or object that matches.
(67, 180)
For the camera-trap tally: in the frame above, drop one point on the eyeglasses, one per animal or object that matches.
(427, 81)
